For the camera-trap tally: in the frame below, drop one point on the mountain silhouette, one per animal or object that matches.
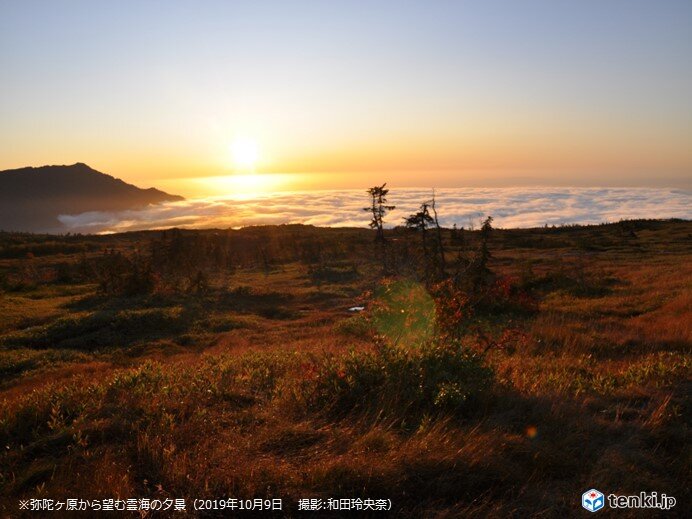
(31, 199)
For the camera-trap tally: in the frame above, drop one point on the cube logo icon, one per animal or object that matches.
(592, 500)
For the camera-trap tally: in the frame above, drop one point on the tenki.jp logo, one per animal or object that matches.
(592, 500)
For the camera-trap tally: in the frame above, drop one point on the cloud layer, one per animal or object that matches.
(511, 207)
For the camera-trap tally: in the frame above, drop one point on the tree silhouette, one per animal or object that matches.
(457, 235)
(421, 221)
(438, 235)
(378, 209)
(481, 272)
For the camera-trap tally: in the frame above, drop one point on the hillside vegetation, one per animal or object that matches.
(502, 379)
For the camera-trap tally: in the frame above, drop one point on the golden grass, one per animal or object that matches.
(590, 391)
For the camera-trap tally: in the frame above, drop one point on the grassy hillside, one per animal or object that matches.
(216, 364)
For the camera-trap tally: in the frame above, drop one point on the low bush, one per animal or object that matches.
(356, 326)
(505, 295)
(333, 274)
(397, 383)
(103, 329)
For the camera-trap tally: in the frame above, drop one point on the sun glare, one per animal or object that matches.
(245, 154)
(241, 186)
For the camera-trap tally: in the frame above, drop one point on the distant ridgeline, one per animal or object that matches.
(31, 199)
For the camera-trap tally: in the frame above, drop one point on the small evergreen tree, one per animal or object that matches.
(457, 235)
(481, 270)
(379, 208)
(421, 221)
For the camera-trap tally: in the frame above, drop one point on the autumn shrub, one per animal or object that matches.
(356, 326)
(118, 274)
(396, 383)
(453, 308)
(505, 295)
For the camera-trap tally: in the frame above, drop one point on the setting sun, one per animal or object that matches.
(241, 185)
(245, 153)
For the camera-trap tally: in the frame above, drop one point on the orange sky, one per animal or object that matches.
(549, 93)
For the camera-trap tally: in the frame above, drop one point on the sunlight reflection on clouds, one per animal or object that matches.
(511, 207)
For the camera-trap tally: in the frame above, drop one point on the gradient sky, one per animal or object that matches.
(516, 92)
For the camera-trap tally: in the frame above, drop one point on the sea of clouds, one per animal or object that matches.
(510, 207)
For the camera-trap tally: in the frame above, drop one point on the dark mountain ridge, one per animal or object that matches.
(31, 199)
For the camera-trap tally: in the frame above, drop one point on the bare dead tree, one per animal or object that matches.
(438, 236)
(421, 221)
